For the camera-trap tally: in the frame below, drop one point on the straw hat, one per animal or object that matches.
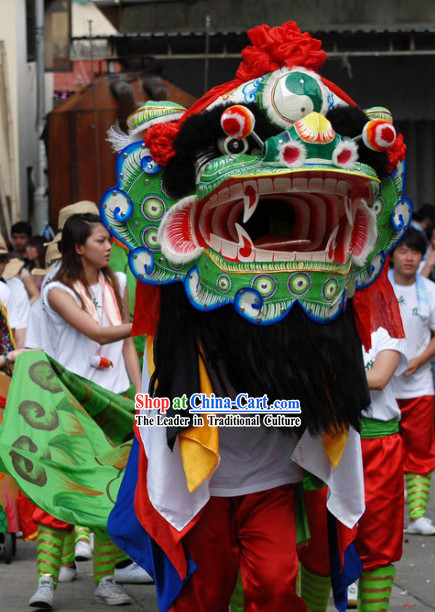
(3, 248)
(13, 268)
(13, 265)
(52, 256)
(79, 208)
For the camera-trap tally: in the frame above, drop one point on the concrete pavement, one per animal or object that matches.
(414, 584)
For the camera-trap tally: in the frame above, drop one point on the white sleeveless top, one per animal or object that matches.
(74, 350)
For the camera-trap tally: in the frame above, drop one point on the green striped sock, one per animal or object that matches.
(237, 603)
(49, 556)
(374, 589)
(82, 534)
(68, 556)
(315, 590)
(418, 489)
(105, 555)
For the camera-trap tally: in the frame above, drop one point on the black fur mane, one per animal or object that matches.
(320, 365)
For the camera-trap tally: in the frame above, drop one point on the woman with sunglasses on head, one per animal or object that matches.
(86, 307)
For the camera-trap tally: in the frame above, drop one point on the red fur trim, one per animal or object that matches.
(274, 48)
(159, 139)
(271, 48)
(377, 306)
(396, 153)
(338, 92)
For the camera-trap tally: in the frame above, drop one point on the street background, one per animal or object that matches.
(414, 583)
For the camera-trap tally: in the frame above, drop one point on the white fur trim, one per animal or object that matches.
(167, 250)
(361, 259)
(346, 144)
(302, 154)
(118, 139)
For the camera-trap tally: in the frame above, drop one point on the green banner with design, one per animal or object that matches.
(65, 440)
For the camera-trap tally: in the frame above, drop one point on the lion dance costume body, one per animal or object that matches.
(259, 222)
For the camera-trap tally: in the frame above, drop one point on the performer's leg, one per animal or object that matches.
(417, 428)
(314, 555)
(418, 489)
(380, 529)
(105, 554)
(315, 590)
(49, 555)
(83, 549)
(210, 546)
(374, 589)
(264, 524)
(82, 534)
(68, 556)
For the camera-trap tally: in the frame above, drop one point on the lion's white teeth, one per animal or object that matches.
(348, 210)
(300, 184)
(215, 243)
(250, 200)
(243, 236)
(229, 249)
(330, 247)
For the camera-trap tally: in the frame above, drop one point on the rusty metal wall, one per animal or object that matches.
(319, 15)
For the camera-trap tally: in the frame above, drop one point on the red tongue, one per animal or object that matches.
(278, 243)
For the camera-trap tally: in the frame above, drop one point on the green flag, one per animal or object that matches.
(65, 440)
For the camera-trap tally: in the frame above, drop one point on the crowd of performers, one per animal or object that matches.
(254, 518)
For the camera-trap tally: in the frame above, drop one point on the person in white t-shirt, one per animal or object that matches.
(380, 529)
(86, 309)
(15, 299)
(414, 389)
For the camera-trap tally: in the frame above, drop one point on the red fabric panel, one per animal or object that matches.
(166, 536)
(147, 310)
(338, 92)
(380, 529)
(25, 511)
(256, 531)
(315, 553)
(376, 306)
(42, 518)
(417, 427)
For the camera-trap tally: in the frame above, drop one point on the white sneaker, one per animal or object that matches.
(110, 593)
(43, 598)
(132, 574)
(352, 595)
(67, 574)
(83, 551)
(422, 526)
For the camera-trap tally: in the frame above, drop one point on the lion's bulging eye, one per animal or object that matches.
(233, 146)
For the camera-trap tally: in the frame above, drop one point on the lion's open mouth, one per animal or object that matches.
(298, 217)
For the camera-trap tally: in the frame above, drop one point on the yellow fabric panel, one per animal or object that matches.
(334, 445)
(200, 445)
(149, 351)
